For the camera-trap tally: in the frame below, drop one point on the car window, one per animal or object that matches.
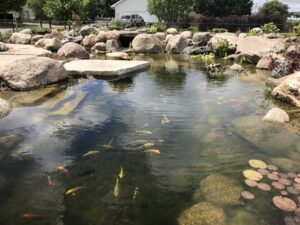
(125, 17)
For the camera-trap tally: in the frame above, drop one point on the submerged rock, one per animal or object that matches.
(219, 189)
(276, 115)
(5, 108)
(287, 164)
(203, 213)
(30, 73)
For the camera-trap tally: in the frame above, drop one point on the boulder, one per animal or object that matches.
(219, 46)
(196, 50)
(147, 43)
(51, 44)
(231, 38)
(112, 45)
(26, 31)
(242, 35)
(276, 115)
(272, 36)
(89, 40)
(187, 34)
(293, 51)
(3, 47)
(203, 213)
(160, 35)
(237, 68)
(36, 38)
(118, 55)
(5, 108)
(265, 62)
(112, 35)
(176, 44)
(30, 73)
(73, 33)
(87, 30)
(101, 37)
(289, 90)
(257, 30)
(253, 48)
(172, 31)
(73, 50)
(100, 46)
(19, 38)
(201, 38)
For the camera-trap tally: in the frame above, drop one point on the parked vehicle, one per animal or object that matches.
(132, 20)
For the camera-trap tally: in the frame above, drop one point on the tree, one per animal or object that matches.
(65, 10)
(222, 8)
(15, 5)
(100, 8)
(37, 7)
(275, 9)
(170, 10)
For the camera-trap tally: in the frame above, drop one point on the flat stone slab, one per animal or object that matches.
(109, 68)
(17, 49)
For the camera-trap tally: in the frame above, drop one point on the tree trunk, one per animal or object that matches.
(41, 23)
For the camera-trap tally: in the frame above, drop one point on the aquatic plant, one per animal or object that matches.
(205, 56)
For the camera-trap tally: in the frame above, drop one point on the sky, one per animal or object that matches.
(293, 4)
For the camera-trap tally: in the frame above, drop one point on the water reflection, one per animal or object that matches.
(214, 126)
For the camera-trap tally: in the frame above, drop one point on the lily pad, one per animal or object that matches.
(292, 175)
(264, 186)
(278, 185)
(252, 175)
(258, 164)
(297, 180)
(263, 172)
(283, 175)
(272, 167)
(293, 190)
(297, 186)
(273, 176)
(251, 183)
(247, 195)
(284, 193)
(285, 204)
(284, 181)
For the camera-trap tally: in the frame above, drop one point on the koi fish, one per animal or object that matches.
(73, 190)
(146, 125)
(63, 169)
(50, 181)
(30, 216)
(90, 153)
(135, 193)
(109, 145)
(147, 145)
(116, 188)
(146, 132)
(153, 151)
(121, 174)
(165, 120)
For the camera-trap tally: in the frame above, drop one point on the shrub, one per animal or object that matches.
(4, 37)
(270, 28)
(223, 46)
(252, 32)
(193, 29)
(117, 25)
(219, 30)
(297, 29)
(41, 30)
(153, 29)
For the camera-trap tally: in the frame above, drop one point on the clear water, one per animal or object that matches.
(215, 126)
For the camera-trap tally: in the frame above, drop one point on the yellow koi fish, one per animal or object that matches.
(153, 151)
(109, 145)
(73, 190)
(116, 189)
(135, 193)
(147, 145)
(90, 153)
(122, 173)
(146, 132)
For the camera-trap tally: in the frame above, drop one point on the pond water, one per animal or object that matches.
(95, 128)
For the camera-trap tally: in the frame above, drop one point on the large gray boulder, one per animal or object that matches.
(289, 90)
(20, 38)
(26, 31)
(31, 73)
(73, 50)
(176, 44)
(253, 48)
(265, 62)
(5, 108)
(3, 47)
(112, 45)
(293, 50)
(51, 44)
(100, 47)
(187, 34)
(89, 40)
(147, 43)
(112, 35)
(201, 38)
(172, 31)
(276, 115)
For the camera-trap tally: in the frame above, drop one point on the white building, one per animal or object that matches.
(129, 7)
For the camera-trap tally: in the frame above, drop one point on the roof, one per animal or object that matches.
(114, 5)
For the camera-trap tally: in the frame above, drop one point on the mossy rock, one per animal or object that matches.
(203, 213)
(288, 165)
(219, 189)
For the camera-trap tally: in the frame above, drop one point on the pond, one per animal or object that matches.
(136, 149)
